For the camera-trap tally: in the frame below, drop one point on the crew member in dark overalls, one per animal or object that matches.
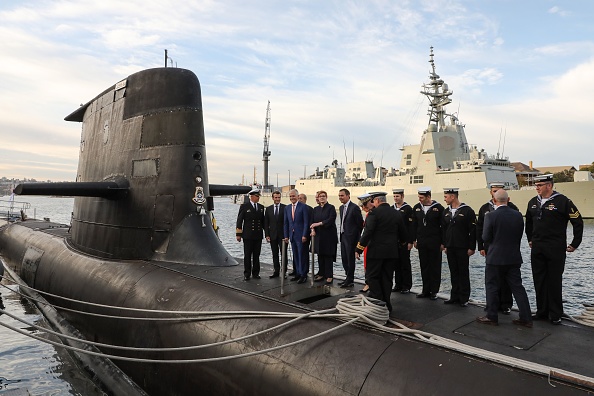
(505, 295)
(403, 271)
(250, 227)
(427, 237)
(459, 240)
(546, 229)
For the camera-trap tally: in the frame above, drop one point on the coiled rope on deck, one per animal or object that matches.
(352, 309)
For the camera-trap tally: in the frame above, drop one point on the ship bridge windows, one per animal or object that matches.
(408, 159)
(416, 179)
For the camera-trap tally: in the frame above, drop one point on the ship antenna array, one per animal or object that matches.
(266, 153)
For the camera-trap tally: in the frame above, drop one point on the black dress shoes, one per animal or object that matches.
(295, 278)
(450, 301)
(506, 311)
(256, 276)
(347, 285)
(397, 289)
(341, 283)
(275, 275)
(485, 320)
(556, 321)
(423, 295)
(292, 273)
(524, 323)
(464, 304)
(405, 291)
(302, 280)
(432, 296)
(538, 317)
(246, 278)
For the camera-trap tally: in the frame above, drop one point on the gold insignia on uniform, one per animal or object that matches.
(238, 230)
(359, 246)
(574, 215)
(436, 210)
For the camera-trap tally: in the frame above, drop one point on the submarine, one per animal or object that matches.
(141, 248)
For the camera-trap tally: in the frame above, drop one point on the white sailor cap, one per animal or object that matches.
(376, 194)
(496, 185)
(364, 198)
(424, 190)
(255, 191)
(450, 190)
(544, 178)
(398, 191)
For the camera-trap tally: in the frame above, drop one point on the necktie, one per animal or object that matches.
(293, 214)
(275, 210)
(255, 206)
(344, 210)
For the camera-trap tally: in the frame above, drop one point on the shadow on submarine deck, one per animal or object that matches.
(567, 347)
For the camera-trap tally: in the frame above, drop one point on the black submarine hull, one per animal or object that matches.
(355, 360)
(151, 244)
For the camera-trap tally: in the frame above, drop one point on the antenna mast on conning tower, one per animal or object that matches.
(266, 152)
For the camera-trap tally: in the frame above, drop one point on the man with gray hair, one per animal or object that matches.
(296, 229)
(503, 230)
(384, 231)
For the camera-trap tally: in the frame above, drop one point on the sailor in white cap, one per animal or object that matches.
(460, 243)
(428, 240)
(383, 227)
(403, 270)
(546, 229)
(505, 295)
(250, 228)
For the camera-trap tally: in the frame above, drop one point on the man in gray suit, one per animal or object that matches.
(503, 230)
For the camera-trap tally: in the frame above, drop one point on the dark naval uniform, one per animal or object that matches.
(427, 233)
(250, 227)
(384, 230)
(546, 228)
(459, 236)
(505, 294)
(403, 271)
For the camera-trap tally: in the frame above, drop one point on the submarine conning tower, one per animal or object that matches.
(144, 139)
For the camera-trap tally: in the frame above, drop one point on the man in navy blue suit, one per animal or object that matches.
(351, 225)
(296, 229)
(503, 231)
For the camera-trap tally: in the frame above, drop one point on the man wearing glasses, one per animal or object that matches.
(546, 229)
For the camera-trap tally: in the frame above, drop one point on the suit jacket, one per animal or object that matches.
(384, 231)
(503, 230)
(298, 226)
(353, 222)
(250, 221)
(273, 225)
(480, 221)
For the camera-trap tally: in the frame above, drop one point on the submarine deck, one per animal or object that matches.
(566, 347)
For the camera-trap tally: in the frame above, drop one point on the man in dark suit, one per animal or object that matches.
(250, 223)
(351, 225)
(505, 295)
(273, 230)
(307, 245)
(503, 230)
(384, 231)
(296, 229)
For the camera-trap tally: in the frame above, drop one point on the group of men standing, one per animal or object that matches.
(390, 232)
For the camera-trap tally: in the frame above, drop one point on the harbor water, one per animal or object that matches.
(47, 370)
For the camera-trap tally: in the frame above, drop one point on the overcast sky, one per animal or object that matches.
(337, 73)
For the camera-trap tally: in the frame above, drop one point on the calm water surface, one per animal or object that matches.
(46, 370)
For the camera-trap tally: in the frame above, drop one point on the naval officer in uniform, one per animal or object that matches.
(459, 240)
(505, 295)
(427, 238)
(546, 229)
(403, 271)
(384, 231)
(250, 228)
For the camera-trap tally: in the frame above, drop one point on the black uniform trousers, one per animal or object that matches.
(379, 278)
(497, 275)
(403, 271)
(548, 264)
(430, 261)
(276, 246)
(251, 256)
(459, 262)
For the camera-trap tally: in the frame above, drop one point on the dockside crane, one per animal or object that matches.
(266, 152)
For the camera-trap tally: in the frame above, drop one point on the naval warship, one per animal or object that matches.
(442, 159)
(140, 277)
